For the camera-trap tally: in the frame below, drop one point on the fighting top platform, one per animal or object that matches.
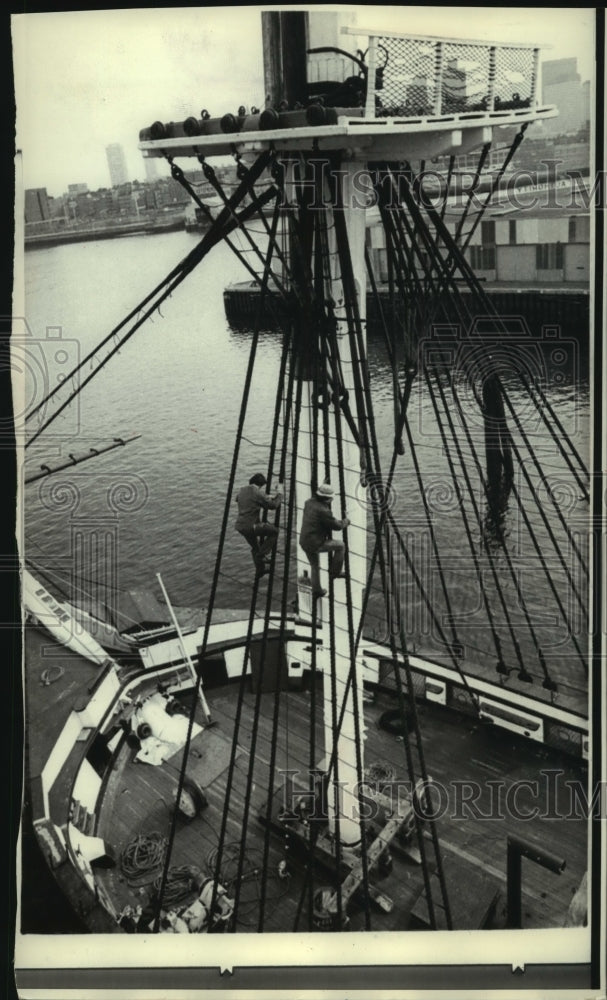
(442, 94)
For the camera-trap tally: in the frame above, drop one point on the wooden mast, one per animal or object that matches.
(285, 37)
(347, 621)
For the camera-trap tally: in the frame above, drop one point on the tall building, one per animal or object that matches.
(562, 86)
(116, 161)
(586, 99)
(151, 168)
(36, 205)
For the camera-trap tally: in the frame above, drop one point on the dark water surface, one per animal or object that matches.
(178, 382)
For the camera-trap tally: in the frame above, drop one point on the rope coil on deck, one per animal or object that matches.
(142, 858)
(182, 883)
(51, 674)
(379, 772)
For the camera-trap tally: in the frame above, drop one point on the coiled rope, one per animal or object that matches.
(380, 772)
(141, 861)
(182, 882)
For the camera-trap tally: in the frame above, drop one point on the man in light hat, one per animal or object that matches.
(251, 500)
(315, 536)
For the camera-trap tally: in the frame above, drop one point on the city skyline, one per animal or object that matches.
(121, 70)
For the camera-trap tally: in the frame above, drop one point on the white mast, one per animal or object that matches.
(336, 689)
(347, 624)
(335, 657)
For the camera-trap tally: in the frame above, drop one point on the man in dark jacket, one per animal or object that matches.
(251, 500)
(315, 535)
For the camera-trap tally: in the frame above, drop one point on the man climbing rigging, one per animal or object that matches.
(315, 536)
(261, 536)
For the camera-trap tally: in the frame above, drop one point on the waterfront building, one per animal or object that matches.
(37, 207)
(527, 247)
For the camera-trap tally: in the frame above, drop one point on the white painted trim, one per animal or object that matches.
(484, 42)
(436, 690)
(430, 668)
(100, 700)
(58, 756)
(346, 128)
(87, 785)
(534, 730)
(481, 687)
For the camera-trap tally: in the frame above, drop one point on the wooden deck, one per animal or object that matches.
(476, 768)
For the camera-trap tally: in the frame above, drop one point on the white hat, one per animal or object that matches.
(324, 490)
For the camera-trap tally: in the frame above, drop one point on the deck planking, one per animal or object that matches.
(458, 752)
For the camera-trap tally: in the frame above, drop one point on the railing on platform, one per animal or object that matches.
(416, 75)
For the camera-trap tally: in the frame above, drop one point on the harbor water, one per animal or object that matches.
(156, 505)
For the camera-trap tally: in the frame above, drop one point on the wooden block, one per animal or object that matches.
(89, 824)
(384, 902)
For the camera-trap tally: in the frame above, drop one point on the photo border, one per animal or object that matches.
(554, 980)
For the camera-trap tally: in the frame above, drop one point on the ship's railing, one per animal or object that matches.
(60, 838)
(416, 75)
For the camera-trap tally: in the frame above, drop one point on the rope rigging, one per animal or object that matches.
(400, 403)
(222, 225)
(386, 173)
(286, 349)
(264, 642)
(502, 669)
(533, 456)
(432, 248)
(336, 727)
(257, 203)
(373, 461)
(324, 402)
(423, 592)
(387, 516)
(514, 448)
(475, 182)
(283, 615)
(313, 358)
(294, 453)
(336, 401)
(523, 673)
(211, 602)
(494, 187)
(485, 302)
(320, 403)
(469, 536)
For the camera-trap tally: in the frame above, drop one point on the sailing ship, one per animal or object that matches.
(279, 769)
